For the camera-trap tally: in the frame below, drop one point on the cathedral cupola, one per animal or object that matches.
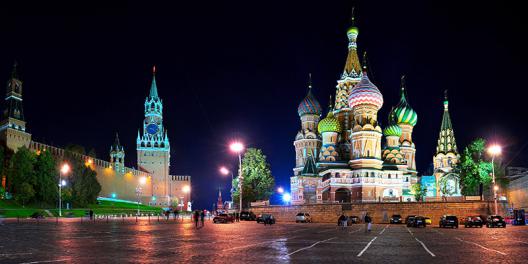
(309, 105)
(365, 92)
(392, 130)
(329, 123)
(329, 128)
(404, 112)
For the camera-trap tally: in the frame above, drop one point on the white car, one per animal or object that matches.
(303, 218)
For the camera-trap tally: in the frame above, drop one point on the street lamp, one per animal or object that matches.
(280, 190)
(225, 171)
(142, 181)
(286, 198)
(238, 147)
(63, 171)
(494, 150)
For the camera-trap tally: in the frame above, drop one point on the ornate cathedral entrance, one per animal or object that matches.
(342, 195)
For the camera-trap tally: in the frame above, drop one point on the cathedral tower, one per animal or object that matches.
(13, 125)
(407, 119)
(307, 142)
(153, 149)
(365, 101)
(329, 128)
(392, 157)
(349, 79)
(117, 155)
(446, 156)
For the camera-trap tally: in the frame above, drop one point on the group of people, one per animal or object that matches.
(199, 216)
(343, 222)
(175, 212)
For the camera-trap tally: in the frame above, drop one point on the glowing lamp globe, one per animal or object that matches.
(286, 197)
(495, 150)
(280, 190)
(236, 147)
(224, 170)
(65, 168)
(142, 180)
(186, 189)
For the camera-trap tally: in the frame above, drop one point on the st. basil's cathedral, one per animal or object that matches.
(341, 158)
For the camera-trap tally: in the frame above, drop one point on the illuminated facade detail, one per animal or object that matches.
(350, 164)
(117, 180)
(446, 157)
(407, 119)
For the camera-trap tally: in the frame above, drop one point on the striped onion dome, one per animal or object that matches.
(404, 112)
(365, 92)
(309, 105)
(329, 124)
(392, 129)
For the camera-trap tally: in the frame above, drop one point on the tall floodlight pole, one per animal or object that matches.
(494, 150)
(139, 190)
(238, 147)
(63, 171)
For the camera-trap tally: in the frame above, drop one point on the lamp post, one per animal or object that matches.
(237, 147)
(139, 190)
(225, 171)
(494, 150)
(63, 171)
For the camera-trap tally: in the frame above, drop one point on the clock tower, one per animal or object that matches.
(153, 149)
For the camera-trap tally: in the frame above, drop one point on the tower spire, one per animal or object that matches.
(117, 145)
(364, 62)
(310, 81)
(153, 86)
(446, 139)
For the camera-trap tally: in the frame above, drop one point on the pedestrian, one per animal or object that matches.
(167, 214)
(340, 220)
(91, 214)
(196, 215)
(344, 222)
(202, 216)
(176, 212)
(237, 216)
(368, 222)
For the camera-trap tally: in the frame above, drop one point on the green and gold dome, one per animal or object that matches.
(329, 124)
(404, 112)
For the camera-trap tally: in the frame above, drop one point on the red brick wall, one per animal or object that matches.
(380, 212)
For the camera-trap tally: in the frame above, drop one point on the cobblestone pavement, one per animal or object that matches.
(119, 241)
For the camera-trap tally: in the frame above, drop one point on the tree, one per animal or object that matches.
(46, 175)
(21, 173)
(473, 169)
(257, 182)
(418, 191)
(85, 187)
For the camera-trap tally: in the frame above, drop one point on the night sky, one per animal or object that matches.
(238, 70)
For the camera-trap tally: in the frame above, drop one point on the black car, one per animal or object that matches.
(495, 221)
(248, 216)
(266, 219)
(448, 221)
(396, 219)
(416, 221)
(409, 219)
(473, 221)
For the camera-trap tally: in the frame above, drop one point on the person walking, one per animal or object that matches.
(196, 215)
(91, 214)
(368, 222)
(340, 220)
(202, 216)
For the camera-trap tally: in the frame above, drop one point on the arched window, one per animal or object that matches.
(389, 176)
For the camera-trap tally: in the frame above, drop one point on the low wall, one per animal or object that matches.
(380, 212)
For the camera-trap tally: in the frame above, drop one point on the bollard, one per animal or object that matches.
(18, 219)
(81, 219)
(122, 219)
(107, 218)
(149, 219)
(136, 218)
(56, 220)
(158, 218)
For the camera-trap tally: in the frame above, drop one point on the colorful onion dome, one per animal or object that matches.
(309, 105)
(404, 112)
(329, 124)
(365, 92)
(392, 129)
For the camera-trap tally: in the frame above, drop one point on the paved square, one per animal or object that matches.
(127, 242)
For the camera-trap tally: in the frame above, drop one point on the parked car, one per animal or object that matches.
(37, 215)
(247, 216)
(303, 218)
(353, 220)
(409, 219)
(417, 221)
(473, 221)
(263, 217)
(428, 221)
(396, 219)
(448, 221)
(495, 221)
(223, 218)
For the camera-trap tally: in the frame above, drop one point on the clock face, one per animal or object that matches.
(152, 128)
